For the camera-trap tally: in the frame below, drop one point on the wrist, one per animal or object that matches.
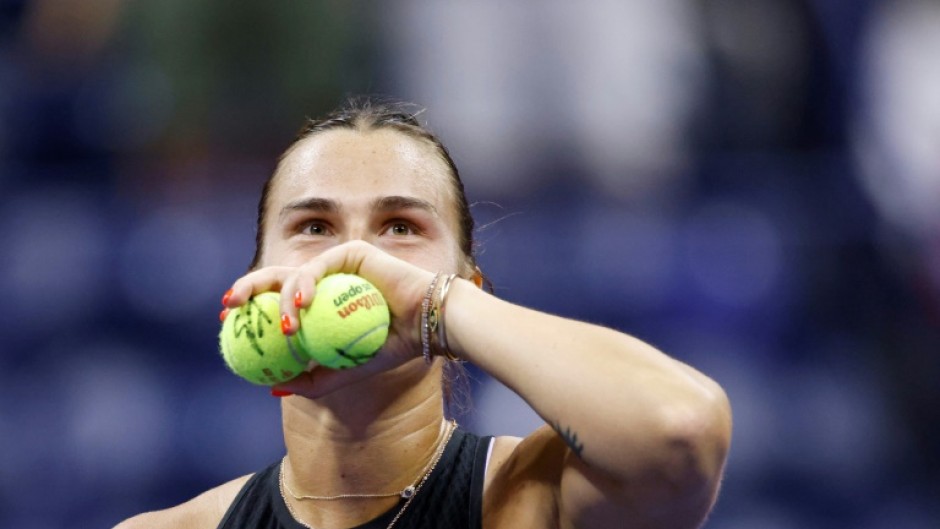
(430, 308)
(434, 306)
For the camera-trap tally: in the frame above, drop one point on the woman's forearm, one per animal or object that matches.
(622, 406)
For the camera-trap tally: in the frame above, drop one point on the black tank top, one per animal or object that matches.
(452, 497)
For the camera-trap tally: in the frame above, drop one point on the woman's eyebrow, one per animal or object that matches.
(381, 204)
(398, 202)
(322, 205)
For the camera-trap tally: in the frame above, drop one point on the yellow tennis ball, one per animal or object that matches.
(254, 347)
(347, 322)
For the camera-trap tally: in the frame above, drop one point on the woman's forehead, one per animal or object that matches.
(344, 161)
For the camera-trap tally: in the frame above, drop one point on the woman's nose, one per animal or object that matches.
(358, 233)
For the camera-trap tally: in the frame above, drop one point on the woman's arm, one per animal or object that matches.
(647, 436)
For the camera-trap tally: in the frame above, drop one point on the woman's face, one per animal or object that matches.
(381, 186)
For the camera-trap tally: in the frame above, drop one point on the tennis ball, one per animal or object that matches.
(254, 347)
(347, 322)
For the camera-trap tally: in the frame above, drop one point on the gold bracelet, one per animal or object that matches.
(443, 347)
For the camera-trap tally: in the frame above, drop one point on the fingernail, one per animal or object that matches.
(280, 393)
(223, 314)
(298, 299)
(227, 296)
(285, 324)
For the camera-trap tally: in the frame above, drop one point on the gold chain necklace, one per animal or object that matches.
(411, 490)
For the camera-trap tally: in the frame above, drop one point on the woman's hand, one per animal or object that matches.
(403, 285)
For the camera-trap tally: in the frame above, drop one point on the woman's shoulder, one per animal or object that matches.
(513, 458)
(522, 479)
(202, 512)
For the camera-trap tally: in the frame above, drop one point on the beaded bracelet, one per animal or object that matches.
(426, 317)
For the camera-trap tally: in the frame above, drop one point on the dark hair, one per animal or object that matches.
(370, 113)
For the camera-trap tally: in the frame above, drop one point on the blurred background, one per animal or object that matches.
(751, 185)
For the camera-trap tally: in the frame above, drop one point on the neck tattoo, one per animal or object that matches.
(407, 493)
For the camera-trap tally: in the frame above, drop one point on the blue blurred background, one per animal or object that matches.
(751, 185)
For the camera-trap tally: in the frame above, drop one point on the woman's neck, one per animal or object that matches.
(372, 437)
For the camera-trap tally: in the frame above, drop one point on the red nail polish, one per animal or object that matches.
(280, 393)
(285, 324)
(227, 296)
(223, 314)
(298, 299)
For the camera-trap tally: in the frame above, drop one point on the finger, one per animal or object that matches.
(299, 295)
(290, 319)
(253, 283)
(299, 289)
(345, 258)
(297, 292)
(402, 283)
(306, 290)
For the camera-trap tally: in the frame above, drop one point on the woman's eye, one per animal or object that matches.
(316, 228)
(400, 228)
